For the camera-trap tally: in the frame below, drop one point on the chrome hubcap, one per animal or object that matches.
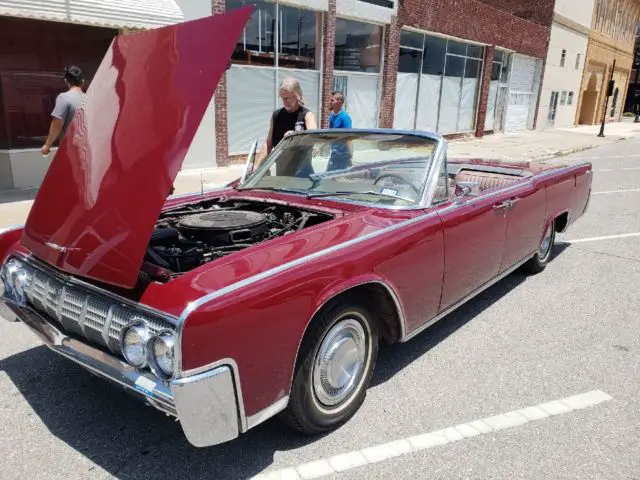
(545, 245)
(340, 362)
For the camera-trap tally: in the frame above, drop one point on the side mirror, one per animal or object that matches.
(467, 189)
(248, 169)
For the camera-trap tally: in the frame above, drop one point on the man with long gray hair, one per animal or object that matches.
(292, 117)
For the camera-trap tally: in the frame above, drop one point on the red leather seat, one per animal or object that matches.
(487, 180)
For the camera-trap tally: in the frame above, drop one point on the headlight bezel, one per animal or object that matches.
(168, 337)
(144, 332)
(14, 270)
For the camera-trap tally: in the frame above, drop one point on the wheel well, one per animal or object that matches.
(561, 222)
(382, 304)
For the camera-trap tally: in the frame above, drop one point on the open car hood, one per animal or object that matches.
(97, 207)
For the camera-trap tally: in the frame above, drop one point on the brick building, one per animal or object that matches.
(38, 39)
(565, 62)
(458, 67)
(612, 37)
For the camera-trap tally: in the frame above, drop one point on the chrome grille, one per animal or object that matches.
(96, 317)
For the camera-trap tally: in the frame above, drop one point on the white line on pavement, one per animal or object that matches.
(616, 191)
(397, 448)
(616, 169)
(608, 237)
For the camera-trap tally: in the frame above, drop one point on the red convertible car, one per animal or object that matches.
(269, 296)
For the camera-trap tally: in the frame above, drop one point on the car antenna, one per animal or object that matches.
(201, 184)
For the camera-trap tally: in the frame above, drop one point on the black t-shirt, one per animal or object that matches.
(284, 121)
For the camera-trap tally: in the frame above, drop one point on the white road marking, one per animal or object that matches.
(616, 191)
(597, 239)
(378, 453)
(615, 169)
(606, 157)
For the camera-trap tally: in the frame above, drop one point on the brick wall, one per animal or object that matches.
(536, 11)
(484, 90)
(329, 47)
(222, 129)
(472, 20)
(390, 62)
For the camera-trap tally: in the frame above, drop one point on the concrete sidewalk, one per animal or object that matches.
(540, 145)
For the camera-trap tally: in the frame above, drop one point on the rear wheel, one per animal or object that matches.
(334, 368)
(539, 261)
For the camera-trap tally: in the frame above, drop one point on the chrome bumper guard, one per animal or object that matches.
(205, 404)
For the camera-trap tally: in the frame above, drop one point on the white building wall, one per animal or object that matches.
(202, 152)
(579, 11)
(565, 78)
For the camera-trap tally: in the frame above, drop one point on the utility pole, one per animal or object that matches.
(607, 94)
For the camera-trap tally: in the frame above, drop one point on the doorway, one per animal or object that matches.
(553, 108)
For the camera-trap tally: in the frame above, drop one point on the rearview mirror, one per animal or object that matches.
(248, 169)
(467, 189)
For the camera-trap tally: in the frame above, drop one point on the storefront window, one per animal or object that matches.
(409, 61)
(299, 42)
(435, 49)
(256, 45)
(357, 46)
(443, 97)
(32, 60)
(252, 81)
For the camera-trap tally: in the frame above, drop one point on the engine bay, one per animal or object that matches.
(189, 236)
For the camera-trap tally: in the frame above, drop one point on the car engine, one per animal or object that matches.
(190, 236)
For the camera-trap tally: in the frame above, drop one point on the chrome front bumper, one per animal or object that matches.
(206, 404)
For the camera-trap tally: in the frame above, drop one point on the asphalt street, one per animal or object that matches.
(527, 341)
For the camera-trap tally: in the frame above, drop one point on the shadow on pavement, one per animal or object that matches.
(392, 359)
(131, 441)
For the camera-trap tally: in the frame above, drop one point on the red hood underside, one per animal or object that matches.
(105, 188)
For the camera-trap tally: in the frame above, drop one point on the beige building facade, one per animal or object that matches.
(611, 37)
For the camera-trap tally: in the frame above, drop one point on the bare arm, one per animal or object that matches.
(266, 148)
(54, 132)
(310, 121)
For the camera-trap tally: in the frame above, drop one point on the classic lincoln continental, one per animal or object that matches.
(269, 296)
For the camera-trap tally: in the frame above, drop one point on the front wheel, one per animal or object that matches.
(539, 261)
(334, 368)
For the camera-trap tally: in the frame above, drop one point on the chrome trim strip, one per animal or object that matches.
(464, 300)
(267, 413)
(432, 174)
(210, 366)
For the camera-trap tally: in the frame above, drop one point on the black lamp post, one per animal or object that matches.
(636, 93)
(607, 94)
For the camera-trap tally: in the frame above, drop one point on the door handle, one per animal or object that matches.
(502, 206)
(506, 204)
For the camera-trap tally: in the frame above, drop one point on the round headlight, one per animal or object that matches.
(14, 279)
(134, 344)
(161, 354)
(19, 281)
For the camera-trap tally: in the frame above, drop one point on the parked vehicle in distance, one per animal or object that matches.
(269, 296)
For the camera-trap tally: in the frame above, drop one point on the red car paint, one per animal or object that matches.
(436, 259)
(108, 181)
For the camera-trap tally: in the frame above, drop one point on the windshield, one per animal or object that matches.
(382, 168)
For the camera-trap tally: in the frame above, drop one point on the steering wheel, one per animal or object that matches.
(401, 179)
